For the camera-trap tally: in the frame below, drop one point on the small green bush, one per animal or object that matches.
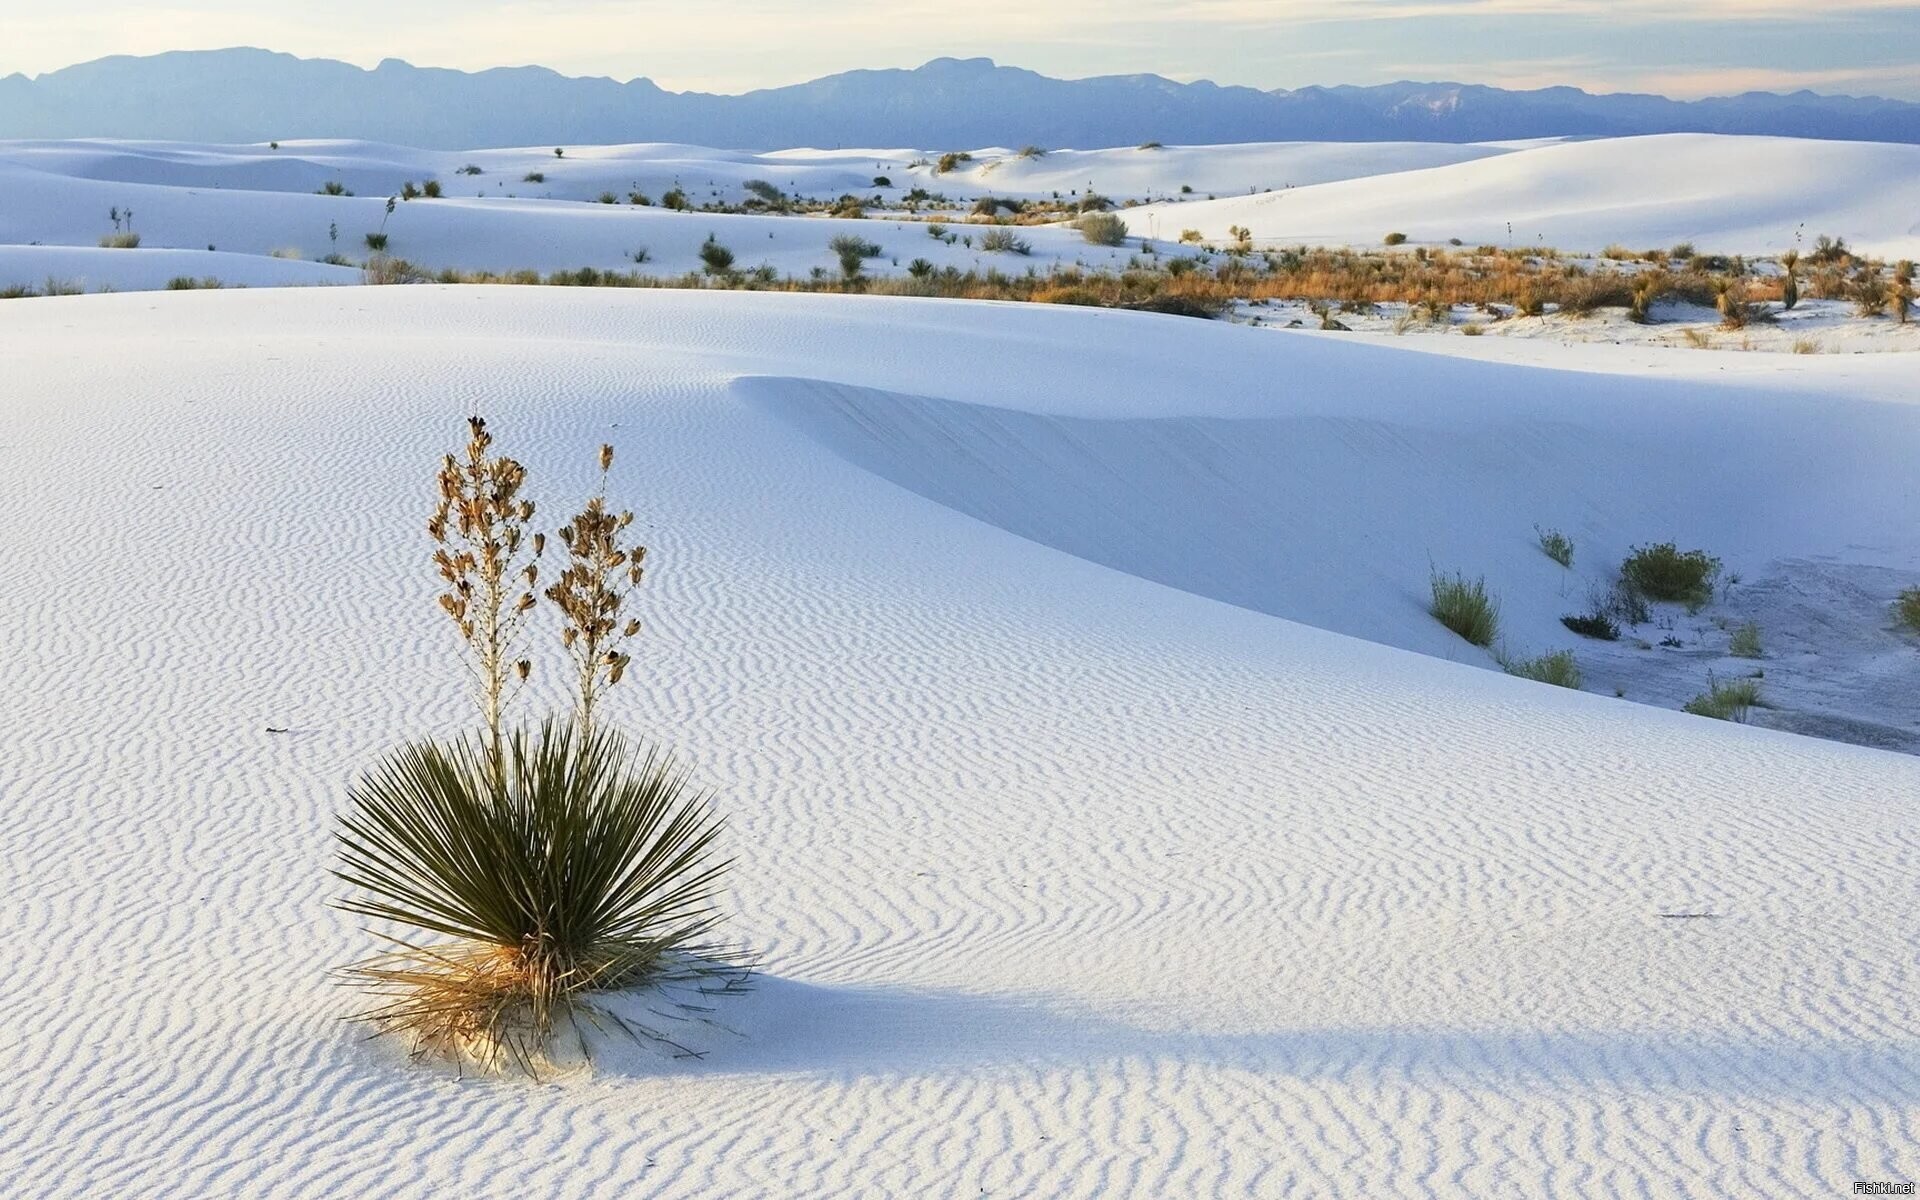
(1465, 607)
(608, 198)
(1102, 229)
(1746, 642)
(1906, 609)
(1396, 239)
(1557, 668)
(717, 258)
(1665, 572)
(675, 200)
(951, 161)
(333, 187)
(431, 189)
(1731, 700)
(1555, 545)
(376, 242)
(1596, 625)
(534, 177)
(120, 241)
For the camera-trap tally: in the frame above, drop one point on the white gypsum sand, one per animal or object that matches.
(1078, 861)
(1729, 195)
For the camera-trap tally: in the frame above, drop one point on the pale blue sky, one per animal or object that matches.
(1678, 47)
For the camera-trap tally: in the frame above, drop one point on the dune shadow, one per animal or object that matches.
(790, 1027)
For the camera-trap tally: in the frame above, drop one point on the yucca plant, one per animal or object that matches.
(584, 869)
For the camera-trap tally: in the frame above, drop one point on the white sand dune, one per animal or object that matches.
(1730, 195)
(1726, 194)
(1076, 864)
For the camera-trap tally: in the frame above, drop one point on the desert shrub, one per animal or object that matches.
(951, 161)
(1665, 572)
(1031, 152)
(559, 151)
(1830, 251)
(409, 190)
(1557, 668)
(470, 169)
(676, 200)
(1682, 253)
(1906, 609)
(717, 259)
(882, 181)
(1102, 229)
(187, 283)
(1699, 339)
(1001, 240)
(1805, 346)
(1555, 545)
(383, 269)
(607, 198)
(431, 189)
(1725, 700)
(1151, 146)
(377, 242)
(1597, 625)
(123, 240)
(534, 177)
(639, 256)
(920, 268)
(639, 199)
(1396, 239)
(1473, 329)
(1464, 606)
(764, 192)
(852, 252)
(936, 231)
(1745, 642)
(333, 187)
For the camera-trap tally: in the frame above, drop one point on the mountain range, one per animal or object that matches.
(249, 95)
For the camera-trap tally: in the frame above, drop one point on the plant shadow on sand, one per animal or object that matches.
(787, 1027)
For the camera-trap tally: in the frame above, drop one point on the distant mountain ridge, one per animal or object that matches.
(247, 95)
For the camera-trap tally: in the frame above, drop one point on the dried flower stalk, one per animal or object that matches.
(591, 592)
(487, 561)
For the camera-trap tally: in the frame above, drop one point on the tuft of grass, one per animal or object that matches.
(383, 269)
(1728, 700)
(125, 240)
(1906, 609)
(1102, 229)
(333, 187)
(1396, 239)
(1597, 625)
(1806, 346)
(1665, 572)
(1555, 545)
(377, 242)
(1464, 606)
(1002, 240)
(951, 161)
(1699, 339)
(1557, 668)
(1745, 642)
(584, 867)
(534, 177)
